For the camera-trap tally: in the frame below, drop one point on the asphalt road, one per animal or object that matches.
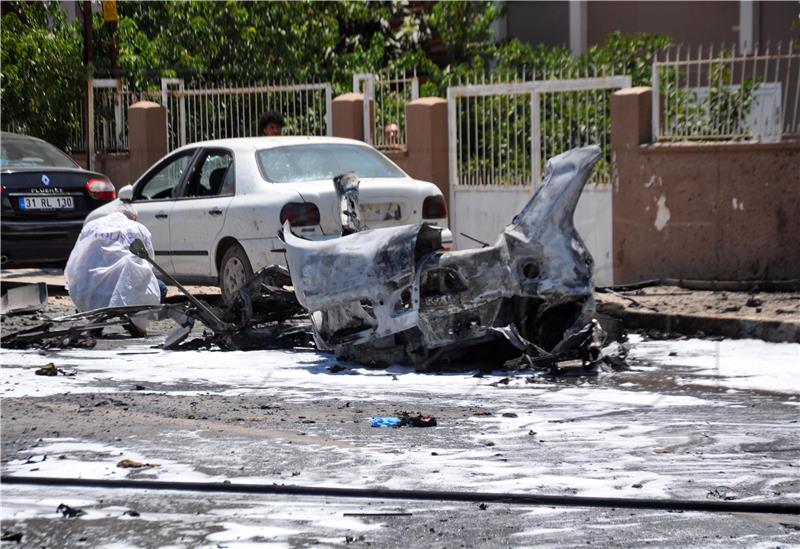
(692, 419)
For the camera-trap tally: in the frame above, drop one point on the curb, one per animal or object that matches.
(775, 331)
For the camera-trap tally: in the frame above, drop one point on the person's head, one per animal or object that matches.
(391, 134)
(271, 123)
(127, 210)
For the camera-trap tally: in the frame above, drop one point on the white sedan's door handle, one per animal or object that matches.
(215, 211)
(161, 215)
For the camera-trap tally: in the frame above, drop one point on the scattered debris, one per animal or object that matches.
(381, 422)
(404, 419)
(262, 317)
(417, 420)
(263, 299)
(392, 296)
(722, 492)
(80, 329)
(50, 369)
(131, 464)
(24, 299)
(754, 302)
(11, 536)
(69, 512)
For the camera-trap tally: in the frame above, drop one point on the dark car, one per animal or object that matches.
(45, 198)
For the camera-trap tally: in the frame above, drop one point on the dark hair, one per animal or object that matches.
(269, 117)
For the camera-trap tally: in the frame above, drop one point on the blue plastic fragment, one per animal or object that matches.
(388, 421)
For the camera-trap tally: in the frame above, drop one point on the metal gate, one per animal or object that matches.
(501, 136)
(384, 107)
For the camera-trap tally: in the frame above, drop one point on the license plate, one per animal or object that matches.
(46, 203)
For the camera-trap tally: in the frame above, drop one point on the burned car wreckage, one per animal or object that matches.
(393, 296)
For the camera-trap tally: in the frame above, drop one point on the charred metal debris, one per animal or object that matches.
(393, 296)
(266, 315)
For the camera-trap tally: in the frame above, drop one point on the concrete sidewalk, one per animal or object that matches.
(771, 316)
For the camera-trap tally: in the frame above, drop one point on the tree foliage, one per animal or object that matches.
(241, 42)
(42, 71)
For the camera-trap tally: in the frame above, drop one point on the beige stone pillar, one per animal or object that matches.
(147, 136)
(631, 121)
(348, 116)
(426, 122)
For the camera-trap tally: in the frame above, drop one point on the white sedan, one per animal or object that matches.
(214, 208)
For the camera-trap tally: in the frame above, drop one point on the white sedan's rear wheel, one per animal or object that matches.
(234, 271)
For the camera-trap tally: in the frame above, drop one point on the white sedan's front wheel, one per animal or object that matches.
(234, 271)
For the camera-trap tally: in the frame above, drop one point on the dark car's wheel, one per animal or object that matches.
(234, 271)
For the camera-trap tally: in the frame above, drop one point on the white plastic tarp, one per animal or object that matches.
(101, 270)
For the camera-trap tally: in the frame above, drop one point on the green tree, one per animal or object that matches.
(42, 71)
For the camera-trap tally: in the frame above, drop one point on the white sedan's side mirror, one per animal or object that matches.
(126, 193)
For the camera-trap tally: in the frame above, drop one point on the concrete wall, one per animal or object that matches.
(690, 23)
(115, 166)
(544, 22)
(728, 211)
(775, 21)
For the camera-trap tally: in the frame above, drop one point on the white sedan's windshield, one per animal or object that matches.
(323, 161)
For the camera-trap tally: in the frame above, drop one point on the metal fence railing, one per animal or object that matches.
(717, 94)
(199, 114)
(110, 102)
(385, 99)
(502, 134)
